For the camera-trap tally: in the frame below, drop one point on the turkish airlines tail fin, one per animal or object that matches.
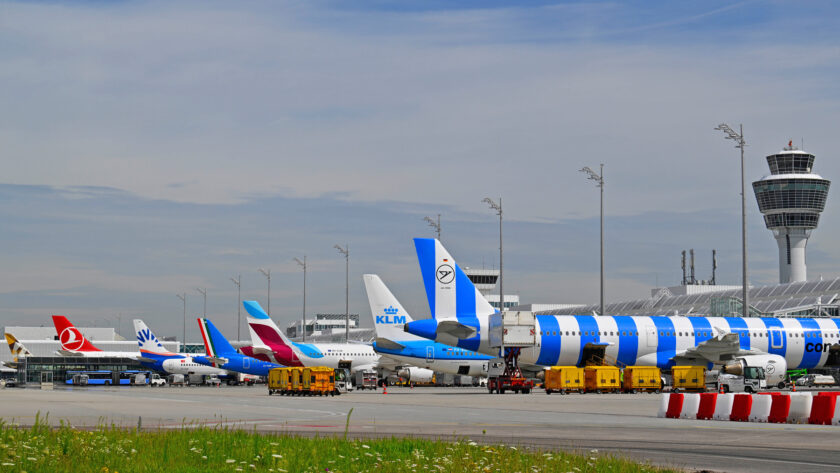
(70, 337)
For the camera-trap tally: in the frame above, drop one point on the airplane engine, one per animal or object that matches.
(416, 375)
(775, 367)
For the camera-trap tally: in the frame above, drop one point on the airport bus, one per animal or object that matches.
(104, 377)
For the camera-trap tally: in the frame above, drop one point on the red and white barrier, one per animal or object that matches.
(691, 402)
(800, 408)
(723, 407)
(708, 401)
(741, 407)
(675, 404)
(780, 409)
(776, 407)
(663, 404)
(760, 407)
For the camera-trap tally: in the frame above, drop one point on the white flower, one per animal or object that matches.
(365, 446)
(276, 455)
(230, 460)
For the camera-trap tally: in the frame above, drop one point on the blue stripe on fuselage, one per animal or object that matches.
(702, 329)
(628, 341)
(426, 257)
(813, 335)
(739, 325)
(464, 295)
(772, 324)
(588, 332)
(309, 350)
(550, 340)
(666, 345)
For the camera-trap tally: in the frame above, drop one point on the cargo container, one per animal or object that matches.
(312, 381)
(563, 379)
(366, 379)
(602, 379)
(689, 378)
(641, 378)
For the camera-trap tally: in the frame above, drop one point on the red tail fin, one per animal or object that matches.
(70, 337)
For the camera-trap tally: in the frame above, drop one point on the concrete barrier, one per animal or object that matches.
(800, 408)
(741, 407)
(663, 404)
(691, 402)
(822, 410)
(723, 406)
(760, 407)
(675, 403)
(706, 409)
(779, 409)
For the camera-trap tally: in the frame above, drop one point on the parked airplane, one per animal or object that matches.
(221, 354)
(271, 344)
(422, 355)
(16, 347)
(73, 343)
(156, 357)
(461, 317)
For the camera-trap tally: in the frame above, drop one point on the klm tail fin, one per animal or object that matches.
(147, 341)
(215, 344)
(389, 316)
(70, 337)
(450, 292)
(17, 348)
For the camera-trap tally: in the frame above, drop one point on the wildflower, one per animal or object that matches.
(32, 459)
(365, 446)
(276, 455)
(594, 450)
(230, 460)
(204, 457)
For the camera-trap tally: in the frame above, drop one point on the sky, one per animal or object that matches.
(149, 148)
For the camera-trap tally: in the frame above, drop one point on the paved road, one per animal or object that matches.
(625, 424)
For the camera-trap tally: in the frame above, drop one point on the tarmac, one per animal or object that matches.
(620, 424)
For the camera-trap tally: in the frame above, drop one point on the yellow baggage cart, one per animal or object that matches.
(602, 379)
(689, 378)
(641, 378)
(563, 379)
(322, 381)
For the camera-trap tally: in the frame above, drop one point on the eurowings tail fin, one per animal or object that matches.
(215, 344)
(450, 292)
(147, 341)
(264, 332)
(389, 316)
(70, 337)
(17, 348)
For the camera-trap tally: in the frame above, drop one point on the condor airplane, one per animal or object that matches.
(423, 356)
(270, 344)
(73, 343)
(461, 317)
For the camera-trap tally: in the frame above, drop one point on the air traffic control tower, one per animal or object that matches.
(791, 199)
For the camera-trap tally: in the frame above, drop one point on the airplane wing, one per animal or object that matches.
(719, 349)
(143, 359)
(456, 329)
(217, 360)
(388, 344)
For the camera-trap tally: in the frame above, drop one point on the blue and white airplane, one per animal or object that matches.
(154, 356)
(221, 354)
(461, 317)
(393, 342)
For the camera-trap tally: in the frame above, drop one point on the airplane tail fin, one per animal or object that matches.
(147, 341)
(450, 292)
(70, 337)
(215, 344)
(389, 316)
(17, 348)
(264, 332)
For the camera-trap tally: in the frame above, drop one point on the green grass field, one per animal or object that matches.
(199, 449)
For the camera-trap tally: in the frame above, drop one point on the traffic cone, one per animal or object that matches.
(793, 386)
(385, 388)
(721, 389)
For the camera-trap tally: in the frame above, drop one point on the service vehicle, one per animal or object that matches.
(752, 381)
(812, 379)
(366, 379)
(157, 380)
(602, 379)
(688, 378)
(641, 378)
(212, 380)
(563, 379)
(176, 379)
(314, 381)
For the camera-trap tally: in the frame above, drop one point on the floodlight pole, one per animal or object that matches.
(346, 252)
(599, 179)
(433, 224)
(303, 264)
(238, 282)
(203, 292)
(267, 274)
(741, 144)
(183, 298)
(498, 208)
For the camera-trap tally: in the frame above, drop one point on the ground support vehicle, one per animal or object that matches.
(212, 380)
(751, 381)
(511, 378)
(366, 379)
(156, 380)
(688, 378)
(176, 380)
(602, 379)
(563, 379)
(815, 380)
(641, 378)
(313, 381)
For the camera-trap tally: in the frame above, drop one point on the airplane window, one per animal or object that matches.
(611, 334)
(541, 333)
(567, 333)
(637, 334)
(662, 334)
(554, 333)
(692, 334)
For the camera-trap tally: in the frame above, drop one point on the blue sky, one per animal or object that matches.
(153, 147)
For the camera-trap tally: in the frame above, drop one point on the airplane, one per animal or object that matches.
(221, 354)
(156, 357)
(271, 344)
(73, 343)
(16, 347)
(422, 355)
(461, 317)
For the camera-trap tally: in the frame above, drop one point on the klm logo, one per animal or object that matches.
(391, 310)
(388, 319)
(145, 336)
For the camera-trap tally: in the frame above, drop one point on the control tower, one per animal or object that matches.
(791, 199)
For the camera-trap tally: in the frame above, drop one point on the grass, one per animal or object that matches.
(42, 448)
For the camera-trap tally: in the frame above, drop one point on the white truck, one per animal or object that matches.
(156, 380)
(752, 380)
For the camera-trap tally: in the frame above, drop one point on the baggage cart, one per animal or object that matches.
(641, 378)
(563, 379)
(602, 379)
(689, 378)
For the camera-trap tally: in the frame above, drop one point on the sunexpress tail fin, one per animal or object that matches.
(215, 344)
(147, 341)
(70, 337)
(450, 292)
(389, 316)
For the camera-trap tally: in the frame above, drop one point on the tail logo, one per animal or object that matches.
(391, 310)
(146, 335)
(71, 338)
(387, 319)
(445, 274)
